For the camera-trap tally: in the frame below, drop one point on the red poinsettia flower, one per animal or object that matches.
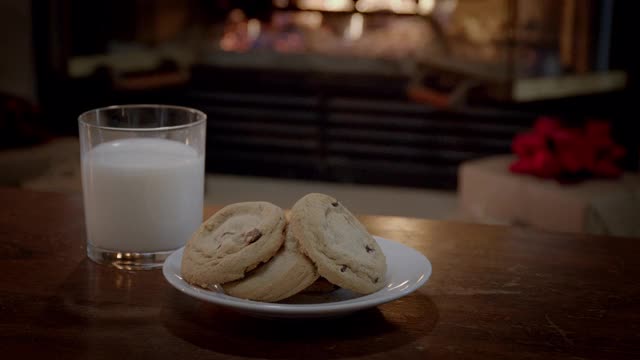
(546, 125)
(546, 165)
(605, 168)
(552, 150)
(570, 149)
(522, 166)
(618, 152)
(528, 144)
(597, 129)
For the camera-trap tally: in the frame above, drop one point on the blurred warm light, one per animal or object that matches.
(326, 5)
(311, 19)
(422, 7)
(447, 6)
(227, 43)
(253, 29)
(403, 6)
(395, 6)
(235, 37)
(281, 3)
(236, 15)
(355, 28)
(366, 6)
(425, 7)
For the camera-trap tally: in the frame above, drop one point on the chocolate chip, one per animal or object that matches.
(369, 249)
(335, 204)
(375, 280)
(252, 236)
(343, 268)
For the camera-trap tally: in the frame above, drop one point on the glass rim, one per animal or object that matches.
(200, 116)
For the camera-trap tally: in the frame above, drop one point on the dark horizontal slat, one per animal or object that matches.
(406, 167)
(256, 99)
(291, 158)
(253, 127)
(407, 107)
(417, 139)
(377, 121)
(215, 140)
(213, 112)
(385, 151)
(378, 105)
(413, 123)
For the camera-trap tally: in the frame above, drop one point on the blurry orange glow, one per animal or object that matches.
(426, 6)
(253, 29)
(281, 3)
(447, 6)
(236, 15)
(422, 7)
(315, 31)
(395, 6)
(326, 5)
(236, 35)
(403, 6)
(355, 28)
(311, 19)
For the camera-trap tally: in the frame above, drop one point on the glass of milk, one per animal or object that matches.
(143, 181)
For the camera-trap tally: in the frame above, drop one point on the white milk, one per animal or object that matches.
(142, 195)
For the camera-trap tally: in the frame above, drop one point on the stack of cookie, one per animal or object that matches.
(254, 253)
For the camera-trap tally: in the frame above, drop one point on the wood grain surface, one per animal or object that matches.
(495, 293)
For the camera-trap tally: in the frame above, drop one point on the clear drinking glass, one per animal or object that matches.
(142, 180)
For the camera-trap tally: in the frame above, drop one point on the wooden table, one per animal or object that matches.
(495, 293)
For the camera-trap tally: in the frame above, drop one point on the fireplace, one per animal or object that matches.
(377, 91)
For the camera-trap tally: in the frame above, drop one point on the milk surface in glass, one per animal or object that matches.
(142, 194)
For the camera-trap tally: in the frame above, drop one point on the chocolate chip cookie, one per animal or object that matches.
(339, 245)
(286, 274)
(232, 242)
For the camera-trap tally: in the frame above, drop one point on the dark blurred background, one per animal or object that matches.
(379, 91)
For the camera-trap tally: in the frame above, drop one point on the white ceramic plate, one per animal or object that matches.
(407, 270)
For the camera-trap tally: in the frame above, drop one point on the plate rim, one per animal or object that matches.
(362, 302)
